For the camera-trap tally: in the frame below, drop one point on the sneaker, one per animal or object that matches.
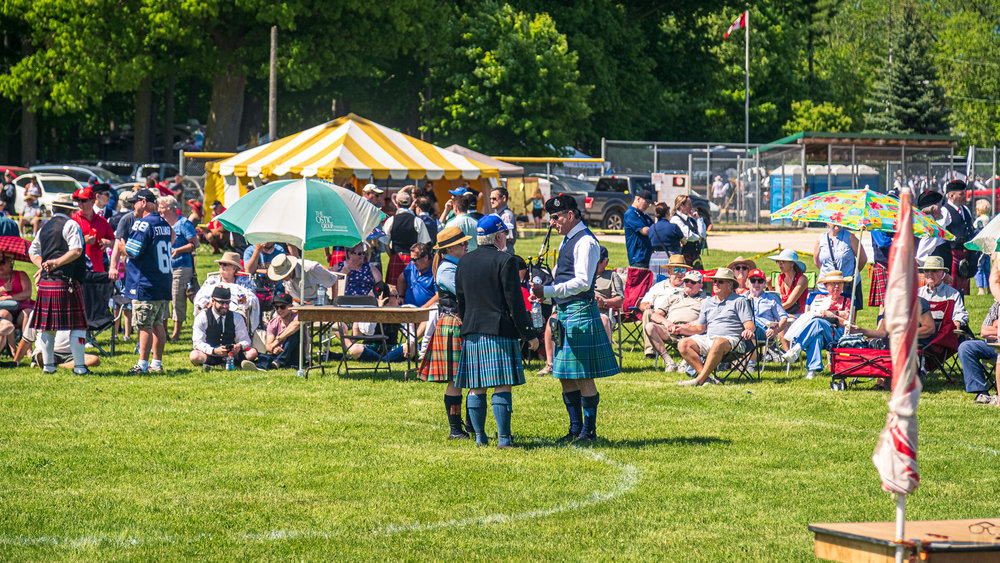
(792, 355)
(690, 382)
(985, 399)
(811, 374)
(713, 380)
(650, 355)
(547, 370)
(247, 365)
(156, 369)
(669, 364)
(274, 365)
(586, 437)
(136, 370)
(47, 370)
(81, 371)
(458, 436)
(751, 365)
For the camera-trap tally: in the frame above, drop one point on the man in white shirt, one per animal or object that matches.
(219, 333)
(934, 289)
(284, 268)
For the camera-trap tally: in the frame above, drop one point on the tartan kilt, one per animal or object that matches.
(444, 351)
(397, 263)
(584, 351)
(879, 279)
(58, 309)
(489, 361)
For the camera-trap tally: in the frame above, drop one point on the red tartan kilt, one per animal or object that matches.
(58, 309)
(397, 263)
(444, 351)
(879, 279)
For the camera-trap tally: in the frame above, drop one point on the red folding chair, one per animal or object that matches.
(941, 354)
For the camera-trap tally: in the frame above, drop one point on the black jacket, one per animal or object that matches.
(489, 295)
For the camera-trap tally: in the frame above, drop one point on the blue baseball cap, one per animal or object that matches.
(458, 191)
(490, 224)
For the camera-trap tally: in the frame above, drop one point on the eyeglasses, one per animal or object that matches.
(757, 281)
(985, 528)
(494, 198)
(741, 268)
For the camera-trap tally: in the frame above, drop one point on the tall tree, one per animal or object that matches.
(907, 97)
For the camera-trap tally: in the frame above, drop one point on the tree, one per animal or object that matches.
(509, 85)
(907, 97)
(807, 116)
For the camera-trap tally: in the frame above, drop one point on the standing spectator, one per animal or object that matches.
(930, 203)
(425, 212)
(181, 259)
(403, 230)
(719, 191)
(449, 212)
(472, 202)
(105, 200)
(58, 252)
(376, 196)
(692, 227)
(282, 336)
(8, 193)
(498, 200)
(838, 250)
(97, 233)
(637, 226)
(983, 211)
(957, 219)
(124, 208)
(537, 206)
(463, 220)
(665, 238)
(148, 277)
(219, 333)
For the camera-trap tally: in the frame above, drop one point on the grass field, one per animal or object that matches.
(253, 466)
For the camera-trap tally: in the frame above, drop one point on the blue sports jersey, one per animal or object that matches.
(149, 273)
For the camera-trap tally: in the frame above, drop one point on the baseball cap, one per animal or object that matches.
(693, 275)
(645, 194)
(143, 194)
(458, 191)
(373, 188)
(757, 273)
(84, 193)
(490, 224)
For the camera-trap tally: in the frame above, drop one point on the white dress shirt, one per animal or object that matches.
(201, 323)
(586, 254)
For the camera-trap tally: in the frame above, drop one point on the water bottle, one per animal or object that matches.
(230, 362)
(536, 308)
(321, 296)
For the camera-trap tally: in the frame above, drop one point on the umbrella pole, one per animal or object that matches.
(900, 524)
(302, 302)
(854, 282)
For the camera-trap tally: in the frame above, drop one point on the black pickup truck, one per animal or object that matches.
(605, 202)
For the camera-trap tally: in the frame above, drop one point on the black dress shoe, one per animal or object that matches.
(586, 437)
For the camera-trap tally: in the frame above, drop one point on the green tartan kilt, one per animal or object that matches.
(444, 351)
(584, 351)
(489, 361)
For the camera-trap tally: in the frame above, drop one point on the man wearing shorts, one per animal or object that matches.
(148, 279)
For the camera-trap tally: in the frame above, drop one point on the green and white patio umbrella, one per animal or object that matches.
(307, 213)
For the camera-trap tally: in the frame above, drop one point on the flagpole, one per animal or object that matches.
(746, 94)
(900, 523)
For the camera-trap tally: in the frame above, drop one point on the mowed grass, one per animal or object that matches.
(250, 466)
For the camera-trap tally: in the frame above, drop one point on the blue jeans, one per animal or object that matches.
(972, 354)
(815, 338)
(288, 358)
(370, 355)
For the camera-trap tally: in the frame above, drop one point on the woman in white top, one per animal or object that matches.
(692, 227)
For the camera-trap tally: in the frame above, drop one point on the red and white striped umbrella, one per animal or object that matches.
(896, 452)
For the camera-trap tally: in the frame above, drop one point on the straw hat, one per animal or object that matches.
(677, 261)
(231, 258)
(450, 236)
(934, 263)
(789, 255)
(281, 267)
(834, 276)
(724, 274)
(744, 261)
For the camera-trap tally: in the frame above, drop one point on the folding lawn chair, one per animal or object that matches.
(97, 293)
(379, 337)
(941, 354)
(739, 358)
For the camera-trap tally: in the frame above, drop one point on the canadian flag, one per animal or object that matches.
(740, 22)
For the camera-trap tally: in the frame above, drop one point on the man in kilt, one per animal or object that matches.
(57, 251)
(445, 349)
(583, 350)
(491, 307)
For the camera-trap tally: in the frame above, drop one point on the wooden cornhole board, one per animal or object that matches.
(928, 540)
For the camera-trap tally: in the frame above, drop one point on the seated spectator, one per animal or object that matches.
(972, 354)
(15, 299)
(63, 353)
(741, 267)
(361, 274)
(724, 324)
(213, 232)
(219, 333)
(258, 257)
(793, 287)
(8, 226)
(609, 290)
(284, 269)
(197, 212)
(31, 189)
(675, 311)
(416, 284)
(821, 325)
(879, 335)
(935, 291)
(282, 337)
(768, 314)
(372, 351)
(31, 215)
(674, 284)
(243, 298)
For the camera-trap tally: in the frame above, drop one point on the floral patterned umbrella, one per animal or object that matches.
(858, 210)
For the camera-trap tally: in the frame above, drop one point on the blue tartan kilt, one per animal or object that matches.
(584, 351)
(489, 361)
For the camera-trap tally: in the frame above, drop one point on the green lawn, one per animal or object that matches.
(254, 466)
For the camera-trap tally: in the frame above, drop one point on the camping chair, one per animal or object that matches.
(377, 337)
(941, 354)
(628, 320)
(97, 294)
(810, 279)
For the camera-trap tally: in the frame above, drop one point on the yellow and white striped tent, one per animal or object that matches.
(337, 150)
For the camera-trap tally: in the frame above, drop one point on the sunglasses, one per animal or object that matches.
(280, 307)
(741, 268)
(757, 281)
(689, 282)
(220, 302)
(679, 270)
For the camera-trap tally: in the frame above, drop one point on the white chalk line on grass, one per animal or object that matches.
(628, 478)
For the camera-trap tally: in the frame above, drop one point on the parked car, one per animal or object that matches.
(17, 170)
(123, 169)
(51, 185)
(79, 172)
(166, 171)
